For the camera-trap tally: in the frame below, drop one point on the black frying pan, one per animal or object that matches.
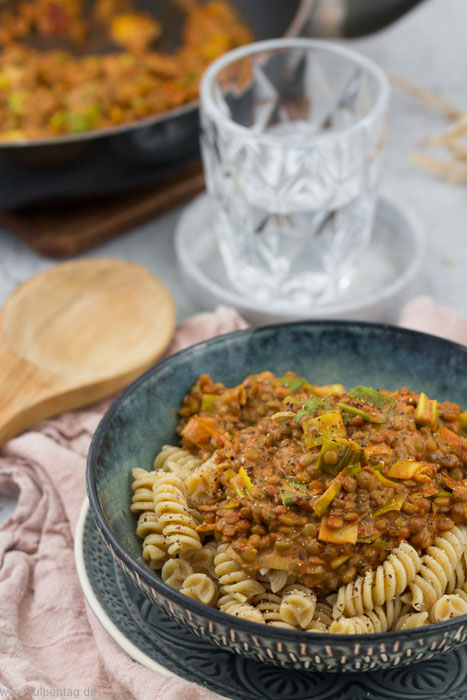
(131, 155)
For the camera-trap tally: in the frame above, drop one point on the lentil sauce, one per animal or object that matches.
(54, 92)
(322, 482)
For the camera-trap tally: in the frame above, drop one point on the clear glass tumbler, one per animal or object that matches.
(292, 134)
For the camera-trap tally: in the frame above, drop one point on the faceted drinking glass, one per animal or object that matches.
(292, 135)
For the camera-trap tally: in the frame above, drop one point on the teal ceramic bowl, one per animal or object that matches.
(143, 418)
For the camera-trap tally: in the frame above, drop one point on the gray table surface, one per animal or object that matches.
(428, 46)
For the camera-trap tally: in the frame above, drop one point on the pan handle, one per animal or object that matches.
(302, 17)
(352, 18)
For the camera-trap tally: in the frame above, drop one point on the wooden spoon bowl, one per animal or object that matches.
(76, 333)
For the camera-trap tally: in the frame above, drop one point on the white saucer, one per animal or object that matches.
(375, 294)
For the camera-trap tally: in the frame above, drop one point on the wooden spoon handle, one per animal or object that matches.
(24, 393)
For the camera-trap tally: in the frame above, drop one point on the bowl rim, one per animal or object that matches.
(151, 579)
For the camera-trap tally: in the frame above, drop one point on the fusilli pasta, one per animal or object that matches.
(269, 605)
(448, 606)
(174, 459)
(143, 499)
(298, 606)
(437, 567)
(179, 526)
(202, 560)
(175, 572)
(201, 588)
(233, 580)
(381, 619)
(390, 579)
(410, 621)
(233, 607)
(155, 544)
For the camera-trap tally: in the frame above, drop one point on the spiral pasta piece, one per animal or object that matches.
(377, 587)
(317, 626)
(243, 610)
(233, 580)
(269, 605)
(202, 560)
(143, 482)
(175, 572)
(351, 625)
(438, 564)
(201, 588)
(447, 607)
(174, 459)
(462, 592)
(155, 544)
(179, 526)
(148, 527)
(380, 619)
(323, 613)
(410, 621)
(298, 607)
(457, 578)
(277, 579)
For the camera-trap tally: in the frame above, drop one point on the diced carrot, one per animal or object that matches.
(200, 429)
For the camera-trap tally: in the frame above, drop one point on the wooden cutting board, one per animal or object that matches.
(64, 230)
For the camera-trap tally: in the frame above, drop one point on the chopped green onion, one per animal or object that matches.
(368, 539)
(232, 504)
(393, 503)
(351, 470)
(349, 453)
(15, 102)
(324, 501)
(297, 484)
(386, 482)
(288, 498)
(238, 491)
(312, 407)
(426, 412)
(57, 120)
(372, 397)
(292, 383)
(208, 403)
(246, 479)
(370, 417)
(339, 561)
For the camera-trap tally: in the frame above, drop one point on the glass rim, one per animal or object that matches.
(211, 108)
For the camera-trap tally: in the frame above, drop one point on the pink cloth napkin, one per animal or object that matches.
(49, 639)
(422, 314)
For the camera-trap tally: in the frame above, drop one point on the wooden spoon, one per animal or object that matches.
(76, 333)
